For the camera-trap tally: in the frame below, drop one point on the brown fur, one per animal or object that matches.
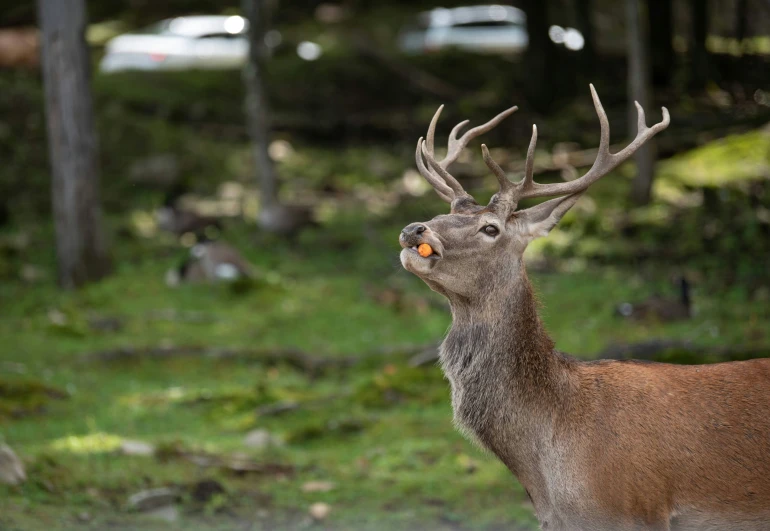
(606, 445)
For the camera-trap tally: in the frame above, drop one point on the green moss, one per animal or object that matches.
(396, 384)
(26, 397)
(731, 159)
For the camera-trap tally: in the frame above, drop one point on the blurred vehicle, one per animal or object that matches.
(488, 28)
(182, 43)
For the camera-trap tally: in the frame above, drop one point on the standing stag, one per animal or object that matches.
(603, 445)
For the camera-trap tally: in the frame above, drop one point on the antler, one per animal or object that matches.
(605, 161)
(447, 187)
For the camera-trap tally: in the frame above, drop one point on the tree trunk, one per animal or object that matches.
(661, 27)
(699, 59)
(639, 90)
(80, 244)
(584, 12)
(540, 56)
(741, 22)
(257, 111)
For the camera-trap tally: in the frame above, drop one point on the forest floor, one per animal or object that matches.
(191, 371)
(316, 352)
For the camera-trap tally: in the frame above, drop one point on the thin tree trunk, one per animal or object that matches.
(257, 111)
(639, 90)
(661, 27)
(584, 12)
(699, 59)
(741, 22)
(80, 244)
(540, 56)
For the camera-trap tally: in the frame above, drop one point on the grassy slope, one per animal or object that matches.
(381, 431)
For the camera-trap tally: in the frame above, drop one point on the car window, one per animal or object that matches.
(486, 24)
(221, 36)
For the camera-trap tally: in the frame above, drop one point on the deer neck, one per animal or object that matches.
(507, 380)
(502, 326)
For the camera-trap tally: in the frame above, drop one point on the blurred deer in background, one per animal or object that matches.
(604, 445)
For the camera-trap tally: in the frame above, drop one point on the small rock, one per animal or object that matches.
(319, 511)
(128, 447)
(317, 486)
(260, 439)
(149, 500)
(84, 516)
(11, 467)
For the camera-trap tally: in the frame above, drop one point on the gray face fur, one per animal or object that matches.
(467, 258)
(479, 249)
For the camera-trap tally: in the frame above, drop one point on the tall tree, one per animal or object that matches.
(274, 216)
(80, 243)
(639, 90)
(660, 22)
(257, 112)
(584, 15)
(699, 58)
(741, 22)
(540, 56)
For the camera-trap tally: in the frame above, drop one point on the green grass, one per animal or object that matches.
(380, 431)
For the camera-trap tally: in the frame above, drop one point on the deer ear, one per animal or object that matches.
(538, 220)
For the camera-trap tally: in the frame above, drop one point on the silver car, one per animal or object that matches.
(182, 43)
(491, 28)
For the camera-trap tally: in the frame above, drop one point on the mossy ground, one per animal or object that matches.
(379, 430)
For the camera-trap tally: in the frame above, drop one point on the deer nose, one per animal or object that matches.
(413, 230)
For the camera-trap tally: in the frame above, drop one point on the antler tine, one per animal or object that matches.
(441, 188)
(457, 145)
(529, 167)
(448, 178)
(502, 178)
(456, 129)
(447, 187)
(605, 161)
(644, 133)
(432, 129)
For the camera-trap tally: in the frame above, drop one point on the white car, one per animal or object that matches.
(489, 28)
(182, 43)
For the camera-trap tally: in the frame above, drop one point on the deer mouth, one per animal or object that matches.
(425, 251)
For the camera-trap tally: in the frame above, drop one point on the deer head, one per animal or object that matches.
(476, 248)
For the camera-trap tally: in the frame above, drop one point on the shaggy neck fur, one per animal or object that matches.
(509, 385)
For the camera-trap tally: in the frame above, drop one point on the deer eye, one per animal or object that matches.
(491, 230)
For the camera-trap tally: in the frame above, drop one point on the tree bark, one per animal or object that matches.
(661, 27)
(639, 90)
(741, 22)
(540, 56)
(81, 248)
(257, 110)
(699, 59)
(584, 12)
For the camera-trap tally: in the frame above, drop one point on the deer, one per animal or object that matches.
(597, 445)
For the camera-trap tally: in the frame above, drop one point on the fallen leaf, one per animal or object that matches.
(317, 486)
